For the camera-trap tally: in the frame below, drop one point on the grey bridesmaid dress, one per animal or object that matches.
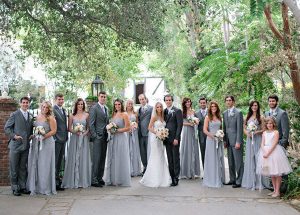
(189, 153)
(41, 164)
(214, 169)
(117, 167)
(134, 150)
(78, 168)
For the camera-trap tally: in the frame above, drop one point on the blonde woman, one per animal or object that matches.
(41, 160)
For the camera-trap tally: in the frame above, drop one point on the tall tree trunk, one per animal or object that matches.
(285, 40)
(294, 8)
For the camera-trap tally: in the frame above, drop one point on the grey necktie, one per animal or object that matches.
(25, 114)
(203, 112)
(103, 109)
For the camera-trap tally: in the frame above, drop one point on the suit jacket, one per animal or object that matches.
(98, 121)
(61, 135)
(201, 134)
(144, 120)
(174, 122)
(282, 121)
(233, 127)
(18, 125)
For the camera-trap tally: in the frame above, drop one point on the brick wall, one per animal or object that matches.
(7, 106)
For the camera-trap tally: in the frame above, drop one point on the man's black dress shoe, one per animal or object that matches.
(24, 191)
(102, 183)
(97, 185)
(16, 193)
(60, 188)
(236, 186)
(229, 183)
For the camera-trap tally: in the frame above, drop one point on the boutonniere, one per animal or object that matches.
(171, 112)
(231, 114)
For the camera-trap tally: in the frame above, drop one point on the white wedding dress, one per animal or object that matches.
(157, 173)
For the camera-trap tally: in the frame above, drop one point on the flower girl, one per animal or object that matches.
(272, 160)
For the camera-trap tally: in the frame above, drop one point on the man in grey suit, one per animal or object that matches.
(282, 122)
(99, 118)
(19, 129)
(144, 116)
(174, 122)
(201, 114)
(61, 137)
(233, 130)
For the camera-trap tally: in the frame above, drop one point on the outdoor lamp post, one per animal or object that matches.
(97, 86)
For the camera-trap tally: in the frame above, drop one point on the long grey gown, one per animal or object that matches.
(134, 150)
(117, 167)
(41, 164)
(189, 153)
(251, 180)
(78, 168)
(214, 169)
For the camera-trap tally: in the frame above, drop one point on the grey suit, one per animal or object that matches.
(201, 135)
(98, 121)
(282, 122)
(233, 130)
(61, 137)
(18, 154)
(143, 122)
(174, 122)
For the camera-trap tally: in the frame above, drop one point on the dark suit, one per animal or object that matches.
(98, 121)
(61, 137)
(174, 122)
(201, 135)
(18, 154)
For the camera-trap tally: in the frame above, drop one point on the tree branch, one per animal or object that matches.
(278, 35)
(294, 8)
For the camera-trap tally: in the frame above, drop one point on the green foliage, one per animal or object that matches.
(293, 189)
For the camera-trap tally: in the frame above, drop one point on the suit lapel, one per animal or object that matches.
(56, 108)
(169, 114)
(22, 117)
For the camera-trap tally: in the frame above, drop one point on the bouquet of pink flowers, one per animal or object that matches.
(78, 127)
(219, 137)
(193, 120)
(112, 128)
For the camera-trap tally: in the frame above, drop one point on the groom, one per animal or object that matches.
(174, 122)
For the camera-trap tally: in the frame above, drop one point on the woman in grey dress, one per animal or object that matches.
(214, 169)
(78, 162)
(41, 159)
(189, 148)
(134, 148)
(250, 179)
(117, 168)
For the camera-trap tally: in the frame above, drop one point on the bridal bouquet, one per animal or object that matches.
(252, 127)
(112, 128)
(162, 133)
(193, 120)
(78, 127)
(39, 131)
(219, 137)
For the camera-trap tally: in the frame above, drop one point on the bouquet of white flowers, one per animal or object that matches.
(162, 133)
(39, 132)
(219, 137)
(193, 120)
(78, 127)
(252, 127)
(133, 125)
(112, 128)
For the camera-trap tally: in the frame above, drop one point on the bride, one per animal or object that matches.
(157, 173)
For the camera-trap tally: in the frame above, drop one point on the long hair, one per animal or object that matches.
(50, 110)
(154, 112)
(126, 106)
(122, 106)
(250, 112)
(218, 112)
(184, 108)
(76, 104)
(272, 120)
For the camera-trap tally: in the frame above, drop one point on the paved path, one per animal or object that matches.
(187, 198)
